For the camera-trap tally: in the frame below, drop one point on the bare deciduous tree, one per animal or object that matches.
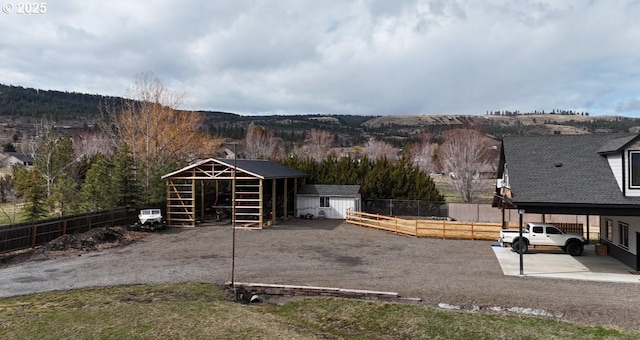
(90, 144)
(155, 131)
(464, 154)
(422, 153)
(377, 149)
(52, 153)
(260, 143)
(317, 145)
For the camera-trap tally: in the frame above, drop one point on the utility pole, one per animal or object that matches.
(233, 217)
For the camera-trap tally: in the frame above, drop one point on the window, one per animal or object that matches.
(634, 169)
(537, 230)
(608, 230)
(623, 230)
(553, 230)
(324, 202)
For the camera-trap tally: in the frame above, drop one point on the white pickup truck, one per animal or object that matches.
(539, 234)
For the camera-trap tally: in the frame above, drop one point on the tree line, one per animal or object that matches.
(26, 102)
(381, 178)
(120, 163)
(121, 160)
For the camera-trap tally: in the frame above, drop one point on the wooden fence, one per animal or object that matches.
(426, 228)
(29, 235)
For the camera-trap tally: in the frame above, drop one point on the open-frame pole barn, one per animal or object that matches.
(260, 191)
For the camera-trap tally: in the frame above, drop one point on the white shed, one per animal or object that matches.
(328, 201)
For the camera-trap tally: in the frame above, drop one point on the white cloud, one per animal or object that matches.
(355, 57)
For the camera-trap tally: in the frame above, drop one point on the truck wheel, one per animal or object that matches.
(575, 248)
(516, 247)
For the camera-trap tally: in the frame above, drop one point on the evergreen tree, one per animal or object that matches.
(381, 179)
(64, 196)
(8, 147)
(125, 183)
(99, 191)
(32, 188)
(157, 186)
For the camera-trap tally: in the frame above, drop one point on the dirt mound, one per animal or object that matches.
(87, 241)
(75, 244)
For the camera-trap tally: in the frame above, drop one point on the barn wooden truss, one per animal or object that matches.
(253, 193)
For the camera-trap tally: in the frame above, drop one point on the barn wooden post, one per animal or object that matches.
(202, 206)
(261, 204)
(295, 199)
(169, 184)
(286, 199)
(193, 202)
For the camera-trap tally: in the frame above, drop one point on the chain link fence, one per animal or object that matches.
(406, 208)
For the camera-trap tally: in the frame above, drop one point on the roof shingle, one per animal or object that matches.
(329, 190)
(564, 169)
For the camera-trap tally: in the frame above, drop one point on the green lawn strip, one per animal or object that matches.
(201, 311)
(352, 319)
(187, 311)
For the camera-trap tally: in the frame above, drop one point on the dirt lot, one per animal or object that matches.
(332, 254)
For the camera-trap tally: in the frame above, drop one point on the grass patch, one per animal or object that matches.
(451, 196)
(11, 213)
(200, 311)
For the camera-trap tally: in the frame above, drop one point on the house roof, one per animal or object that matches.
(564, 171)
(20, 156)
(616, 144)
(259, 168)
(329, 190)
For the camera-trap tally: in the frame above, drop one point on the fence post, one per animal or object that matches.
(34, 233)
(64, 227)
(472, 236)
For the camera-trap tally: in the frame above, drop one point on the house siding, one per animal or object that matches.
(615, 163)
(337, 209)
(627, 256)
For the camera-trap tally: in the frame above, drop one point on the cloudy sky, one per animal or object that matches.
(376, 57)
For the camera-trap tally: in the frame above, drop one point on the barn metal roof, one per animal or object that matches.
(263, 168)
(259, 168)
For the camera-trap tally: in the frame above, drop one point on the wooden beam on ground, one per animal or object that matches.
(294, 290)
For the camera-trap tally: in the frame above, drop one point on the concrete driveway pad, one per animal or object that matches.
(552, 263)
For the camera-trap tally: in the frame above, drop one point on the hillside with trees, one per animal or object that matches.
(18, 105)
(92, 152)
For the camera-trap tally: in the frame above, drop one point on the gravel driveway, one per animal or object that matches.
(332, 254)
